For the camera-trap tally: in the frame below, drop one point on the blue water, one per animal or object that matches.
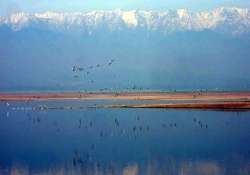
(122, 141)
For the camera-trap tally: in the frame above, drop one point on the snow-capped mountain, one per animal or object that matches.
(173, 49)
(226, 20)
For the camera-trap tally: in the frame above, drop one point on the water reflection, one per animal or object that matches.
(122, 141)
(151, 168)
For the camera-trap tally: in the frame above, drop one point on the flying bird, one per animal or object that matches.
(74, 68)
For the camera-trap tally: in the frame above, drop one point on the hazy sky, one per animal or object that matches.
(12, 6)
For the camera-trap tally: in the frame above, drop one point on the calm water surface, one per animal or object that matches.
(121, 141)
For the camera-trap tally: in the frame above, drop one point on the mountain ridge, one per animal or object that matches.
(235, 21)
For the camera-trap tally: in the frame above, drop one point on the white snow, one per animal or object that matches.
(232, 20)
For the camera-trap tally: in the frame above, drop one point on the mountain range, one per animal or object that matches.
(126, 50)
(235, 21)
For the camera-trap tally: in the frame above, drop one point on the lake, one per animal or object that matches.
(121, 141)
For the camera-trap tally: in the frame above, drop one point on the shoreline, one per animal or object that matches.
(175, 100)
(244, 106)
(171, 96)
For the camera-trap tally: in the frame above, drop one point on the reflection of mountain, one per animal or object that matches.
(168, 167)
(229, 20)
(35, 57)
(93, 141)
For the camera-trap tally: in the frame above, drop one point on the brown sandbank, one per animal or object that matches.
(189, 100)
(202, 105)
(178, 96)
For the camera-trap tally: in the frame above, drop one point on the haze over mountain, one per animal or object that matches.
(152, 50)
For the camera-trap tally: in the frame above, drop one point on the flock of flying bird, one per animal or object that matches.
(88, 69)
